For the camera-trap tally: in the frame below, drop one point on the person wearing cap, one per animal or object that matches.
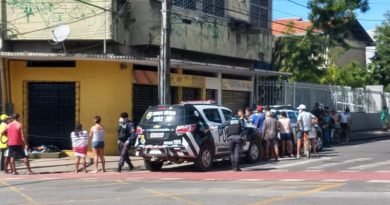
(305, 124)
(4, 143)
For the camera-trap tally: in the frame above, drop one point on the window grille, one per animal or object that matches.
(259, 13)
(185, 4)
(214, 7)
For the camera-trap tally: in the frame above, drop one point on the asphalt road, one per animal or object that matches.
(358, 173)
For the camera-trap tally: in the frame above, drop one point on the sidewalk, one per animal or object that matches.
(66, 164)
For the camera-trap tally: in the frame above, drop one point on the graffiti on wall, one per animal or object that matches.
(34, 19)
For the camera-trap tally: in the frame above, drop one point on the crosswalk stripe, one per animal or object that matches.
(383, 171)
(340, 163)
(372, 165)
(292, 180)
(335, 180)
(299, 163)
(379, 181)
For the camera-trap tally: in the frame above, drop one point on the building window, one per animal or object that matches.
(214, 7)
(259, 13)
(185, 4)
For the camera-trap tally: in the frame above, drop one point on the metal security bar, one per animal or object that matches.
(335, 97)
(259, 13)
(214, 7)
(185, 4)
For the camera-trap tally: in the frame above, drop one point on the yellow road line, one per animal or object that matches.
(298, 194)
(172, 196)
(29, 199)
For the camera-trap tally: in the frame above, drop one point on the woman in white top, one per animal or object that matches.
(97, 135)
(79, 139)
(285, 134)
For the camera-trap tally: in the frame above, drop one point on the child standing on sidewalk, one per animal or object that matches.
(80, 145)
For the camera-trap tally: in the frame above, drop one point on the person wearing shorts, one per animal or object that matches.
(79, 139)
(285, 134)
(4, 142)
(97, 135)
(17, 144)
(305, 124)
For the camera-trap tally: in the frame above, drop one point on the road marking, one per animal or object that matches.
(135, 178)
(340, 163)
(251, 180)
(171, 179)
(171, 196)
(278, 170)
(29, 199)
(299, 163)
(379, 181)
(298, 194)
(372, 165)
(12, 178)
(383, 171)
(50, 178)
(350, 171)
(292, 180)
(313, 170)
(334, 180)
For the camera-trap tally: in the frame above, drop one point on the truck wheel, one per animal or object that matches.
(153, 166)
(253, 153)
(204, 161)
(320, 143)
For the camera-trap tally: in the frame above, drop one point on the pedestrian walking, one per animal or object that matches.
(17, 144)
(79, 139)
(97, 135)
(285, 131)
(270, 132)
(4, 143)
(384, 118)
(305, 124)
(248, 115)
(126, 136)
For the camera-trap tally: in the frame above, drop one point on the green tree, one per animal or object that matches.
(381, 62)
(334, 16)
(352, 74)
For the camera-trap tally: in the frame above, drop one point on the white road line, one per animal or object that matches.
(383, 171)
(335, 180)
(350, 171)
(340, 163)
(278, 170)
(12, 178)
(379, 181)
(171, 179)
(135, 178)
(300, 163)
(251, 180)
(372, 165)
(48, 178)
(292, 180)
(313, 170)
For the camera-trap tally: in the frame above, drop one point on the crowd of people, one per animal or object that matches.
(14, 145)
(271, 124)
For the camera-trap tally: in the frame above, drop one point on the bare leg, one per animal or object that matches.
(96, 159)
(27, 163)
(289, 147)
(77, 164)
(283, 148)
(101, 153)
(299, 147)
(13, 168)
(84, 165)
(314, 145)
(276, 150)
(5, 165)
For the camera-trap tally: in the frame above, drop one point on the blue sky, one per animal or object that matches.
(369, 20)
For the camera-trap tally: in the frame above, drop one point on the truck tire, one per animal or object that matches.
(320, 142)
(204, 161)
(153, 166)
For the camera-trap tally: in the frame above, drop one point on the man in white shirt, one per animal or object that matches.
(346, 121)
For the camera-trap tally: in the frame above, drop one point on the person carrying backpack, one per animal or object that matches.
(126, 136)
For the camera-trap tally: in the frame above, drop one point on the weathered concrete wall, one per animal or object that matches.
(35, 20)
(204, 34)
(365, 121)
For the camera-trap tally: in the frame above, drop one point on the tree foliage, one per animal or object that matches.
(352, 74)
(334, 16)
(381, 61)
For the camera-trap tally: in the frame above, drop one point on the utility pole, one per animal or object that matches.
(164, 70)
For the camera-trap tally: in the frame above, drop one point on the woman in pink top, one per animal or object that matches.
(17, 143)
(285, 134)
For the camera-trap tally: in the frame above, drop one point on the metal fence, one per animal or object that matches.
(337, 97)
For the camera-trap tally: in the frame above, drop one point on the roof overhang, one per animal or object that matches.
(175, 63)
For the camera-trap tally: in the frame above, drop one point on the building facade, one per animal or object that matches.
(108, 62)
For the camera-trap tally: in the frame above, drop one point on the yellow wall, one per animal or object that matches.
(105, 90)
